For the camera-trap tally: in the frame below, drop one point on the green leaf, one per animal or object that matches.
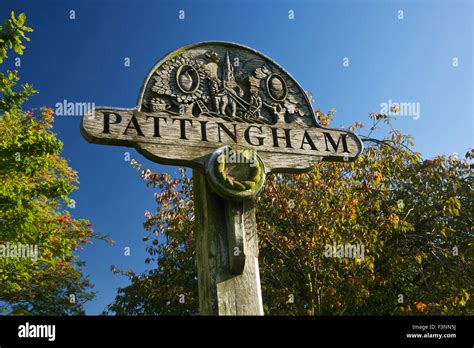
(21, 19)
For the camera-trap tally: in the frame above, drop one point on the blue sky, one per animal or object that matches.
(82, 60)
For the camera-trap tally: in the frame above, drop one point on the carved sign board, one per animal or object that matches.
(207, 95)
(233, 115)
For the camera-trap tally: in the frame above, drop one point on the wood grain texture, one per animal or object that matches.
(220, 291)
(198, 99)
(181, 140)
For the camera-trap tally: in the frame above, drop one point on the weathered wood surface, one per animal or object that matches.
(220, 291)
(210, 94)
(198, 99)
(188, 140)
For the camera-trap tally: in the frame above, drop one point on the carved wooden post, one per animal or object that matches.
(233, 115)
(221, 291)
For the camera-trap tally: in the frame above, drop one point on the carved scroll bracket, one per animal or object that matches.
(235, 173)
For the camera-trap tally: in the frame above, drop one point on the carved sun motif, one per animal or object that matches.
(278, 91)
(229, 84)
(182, 78)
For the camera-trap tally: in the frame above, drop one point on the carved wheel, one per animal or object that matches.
(235, 172)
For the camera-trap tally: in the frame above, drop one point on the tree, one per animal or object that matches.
(405, 212)
(35, 182)
(410, 220)
(171, 287)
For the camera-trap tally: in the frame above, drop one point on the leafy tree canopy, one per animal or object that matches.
(35, 183)
(412, 217)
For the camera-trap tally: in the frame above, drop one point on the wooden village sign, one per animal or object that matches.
(233, 115)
